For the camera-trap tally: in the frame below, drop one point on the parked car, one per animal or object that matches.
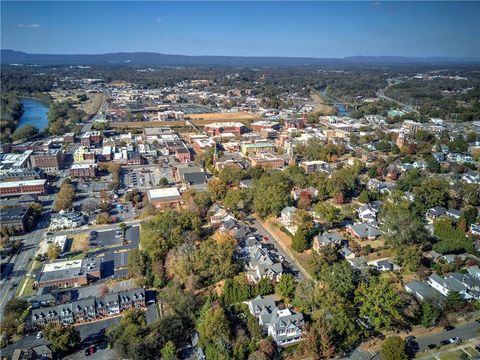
(454, 340)
(431, 347)
(39, 335)
(444, 342)
(448, 328)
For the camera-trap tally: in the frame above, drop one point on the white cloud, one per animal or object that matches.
(159, 20)
(31, 26)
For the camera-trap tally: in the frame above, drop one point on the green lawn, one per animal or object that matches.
(454, 355)
(28, 287)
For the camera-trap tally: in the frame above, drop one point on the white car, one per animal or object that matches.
(454, 340)
(39, 335)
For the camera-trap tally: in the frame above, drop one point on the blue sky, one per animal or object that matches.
(317, 29)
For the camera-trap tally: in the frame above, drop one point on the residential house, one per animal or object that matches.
(346, 253)
(286, 327)
(283, 325)
(454, 214)
(327, 239)
(364, 231)
(311, 192)
(435, 212)
(262, 265)
(287, 218)
(421, 290)
(475, 229)
(369, 212)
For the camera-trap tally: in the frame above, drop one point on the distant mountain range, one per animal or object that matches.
(150, 58)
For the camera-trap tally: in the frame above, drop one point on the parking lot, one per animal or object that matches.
(148, 177)
(114, 238)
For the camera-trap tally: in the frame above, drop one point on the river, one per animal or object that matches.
(34, 113)
(336, 103)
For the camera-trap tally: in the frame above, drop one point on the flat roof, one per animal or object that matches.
(62, 265)
(225, 124)
(33, 182)
(163, 193)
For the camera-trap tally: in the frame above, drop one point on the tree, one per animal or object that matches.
(163, 182)
(430, 314)
(300, 241)
(264, 286)
(53, 251)
(379, 303)
(454, 301)
(102, 218)
(65, 197)
(214, 332)
(327, 212)
(129, 334)
(286, 286)
(363, 197)
(394, 349)
(169, 351)
(25, 132)
(400, 226)
(271, 193)
(432, 164)
(217, 188)
(237, 200)
(409, 257)
(318, 342)
(339, 276)
(452, 240)
(15, 312)
(433, 192)
(89, 206)
(137, 262)
(231, 175)
(470, 214)
(63, 338)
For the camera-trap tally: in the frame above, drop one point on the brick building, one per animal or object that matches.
(48, 160)
(69, 138)
(70, 273)
(14, 188)
(91, 138)
(235, 128)
(15, 218)
(183, 155)
(83, 171)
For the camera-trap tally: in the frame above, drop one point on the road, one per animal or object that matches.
(464, 332)
(260, 230)
(22, 259)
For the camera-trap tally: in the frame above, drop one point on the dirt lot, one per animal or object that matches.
(79, 243)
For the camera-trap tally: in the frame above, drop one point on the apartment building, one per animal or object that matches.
(89, 309)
